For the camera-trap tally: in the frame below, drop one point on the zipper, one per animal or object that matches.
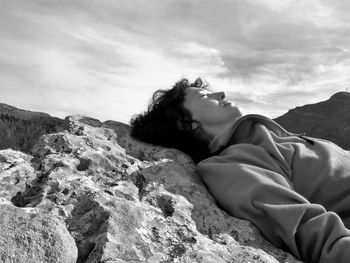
(302, 136)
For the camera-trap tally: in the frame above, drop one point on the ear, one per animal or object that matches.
(183, 125)
(195, 125)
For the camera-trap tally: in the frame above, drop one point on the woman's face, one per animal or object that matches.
(210, 109)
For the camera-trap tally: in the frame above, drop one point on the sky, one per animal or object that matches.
(104, 59)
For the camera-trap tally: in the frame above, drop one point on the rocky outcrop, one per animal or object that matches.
(119, 199)
(20, 129)
(328, 119)
(29, 236)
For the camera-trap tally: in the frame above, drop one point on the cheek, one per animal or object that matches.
(223, 114)
(211, 106)
(196, 112)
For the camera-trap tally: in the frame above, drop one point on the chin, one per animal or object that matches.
(236, 111)
(239, 112)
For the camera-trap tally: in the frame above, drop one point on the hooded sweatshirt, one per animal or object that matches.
(295, 189)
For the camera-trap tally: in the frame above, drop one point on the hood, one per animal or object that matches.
(221, 140)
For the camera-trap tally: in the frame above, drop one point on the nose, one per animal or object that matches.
(218, 95)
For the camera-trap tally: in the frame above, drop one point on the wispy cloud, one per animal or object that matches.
(106, 58)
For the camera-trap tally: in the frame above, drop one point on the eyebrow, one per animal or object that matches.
(207, 88)
(198, 89)
(197, 92)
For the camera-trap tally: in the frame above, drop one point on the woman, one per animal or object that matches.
(295, 189)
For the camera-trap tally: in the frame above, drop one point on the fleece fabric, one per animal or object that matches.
(295, 189)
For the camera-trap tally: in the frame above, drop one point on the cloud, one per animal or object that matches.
(106, 58)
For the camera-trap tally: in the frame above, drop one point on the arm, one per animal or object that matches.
(284, 217)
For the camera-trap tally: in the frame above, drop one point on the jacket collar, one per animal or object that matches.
(223, 137)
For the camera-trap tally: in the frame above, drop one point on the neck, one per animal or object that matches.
(213, 131)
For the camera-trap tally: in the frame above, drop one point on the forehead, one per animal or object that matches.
(191, 92)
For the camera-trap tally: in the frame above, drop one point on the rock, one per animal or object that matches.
(125, 201)
(15, 172)
(29, 236)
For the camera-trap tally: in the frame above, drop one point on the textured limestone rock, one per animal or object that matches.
(29, 236)
(15, 172)
(126, 201)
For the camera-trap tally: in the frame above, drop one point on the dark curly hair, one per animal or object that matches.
(169, 124)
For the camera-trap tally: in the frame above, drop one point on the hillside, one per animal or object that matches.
(328, 119)
(20, 129)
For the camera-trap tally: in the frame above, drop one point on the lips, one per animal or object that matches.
(223, 103)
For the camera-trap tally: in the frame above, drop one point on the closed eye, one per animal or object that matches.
(203, 94)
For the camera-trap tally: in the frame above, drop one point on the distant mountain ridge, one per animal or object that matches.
(328, 119)
(20, 129)
(9, 110)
